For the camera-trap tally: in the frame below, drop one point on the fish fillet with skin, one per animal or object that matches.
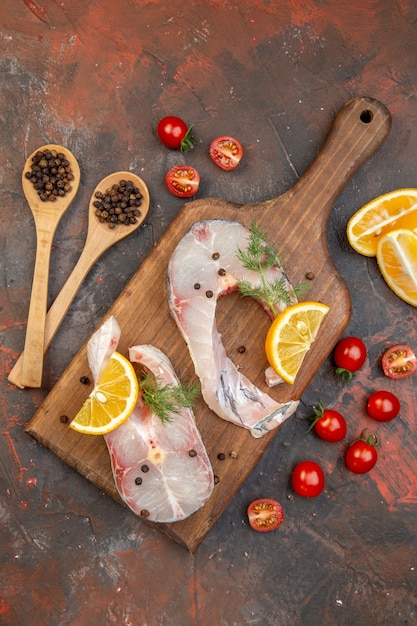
(154, 472)
(203, 267)
(162, 471)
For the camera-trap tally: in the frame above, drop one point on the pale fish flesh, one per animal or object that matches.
(161, 470)
(203, 267)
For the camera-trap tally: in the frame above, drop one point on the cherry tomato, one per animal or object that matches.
(226, 152)
(183, 181)
(399, 362)
(173, 133)
(265, 514)
(349, 356)
(383, 406)
(361, 456)
(328, 424)
(308, 479)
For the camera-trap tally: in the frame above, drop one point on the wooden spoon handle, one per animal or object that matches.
(32, 366)
(96, 245)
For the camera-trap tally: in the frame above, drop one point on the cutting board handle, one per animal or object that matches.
(358, 130)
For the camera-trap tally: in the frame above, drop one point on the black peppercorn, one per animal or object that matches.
(209, 294)
(145, 468)
(118, 205)
(215, 256)
(197, 285)
(221, 456)
(241, 349)
(48, 175)
(84, 380)
(192, 453)
(138, 480)
(221, 272)
(64, 419)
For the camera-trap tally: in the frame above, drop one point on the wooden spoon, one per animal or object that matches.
(47, 216)
(99, 238)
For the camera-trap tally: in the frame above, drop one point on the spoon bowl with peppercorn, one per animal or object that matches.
(50, 181)
(102, 233)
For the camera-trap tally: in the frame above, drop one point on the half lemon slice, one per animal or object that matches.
(393, 210)
(111, 401)
(397, 259)
(290, 337)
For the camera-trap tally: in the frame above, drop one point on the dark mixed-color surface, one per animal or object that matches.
(96, 77)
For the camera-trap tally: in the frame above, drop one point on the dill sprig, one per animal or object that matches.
(260, 256)
(165, 401)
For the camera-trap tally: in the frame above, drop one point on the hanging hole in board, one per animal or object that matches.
(366, 116)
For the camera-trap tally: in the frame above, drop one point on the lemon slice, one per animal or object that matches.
(391, 211)
(111, 401)
(397, 259)
(290, 337)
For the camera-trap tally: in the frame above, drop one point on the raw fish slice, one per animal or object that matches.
(101, 346)
(204, 266)
(162, 471)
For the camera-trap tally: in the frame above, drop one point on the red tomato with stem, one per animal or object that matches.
(307, 479)
(265, 514)
(349, 356)
(174, 133)
(329, 425)
(183, 181)
(361, 456)
(226, 152)
(399, 362)
(383, 406)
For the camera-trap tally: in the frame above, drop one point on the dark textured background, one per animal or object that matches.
(96, 76)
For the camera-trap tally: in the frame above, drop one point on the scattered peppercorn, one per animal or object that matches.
(209, 294)
(145, 468)
(221, 456)
(138, 480)
(309, 275)
(222, 272)
(233, 454)
(215, 256)
(241, 349)
(144, 513)
(216, 480)
(64, 419)
(118, 204)
(197, 285)
(84, 380)
(192, 453)
(51, 175)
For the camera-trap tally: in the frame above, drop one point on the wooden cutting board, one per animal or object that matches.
(296, 224)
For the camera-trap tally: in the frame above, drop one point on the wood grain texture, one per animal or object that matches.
(296, 223)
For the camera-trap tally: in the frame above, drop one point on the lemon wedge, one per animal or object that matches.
(397, 259)
(291, 335)
(112, 399)
(391, 211)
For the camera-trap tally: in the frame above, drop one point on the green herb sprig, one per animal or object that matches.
(260, 256)
(165, 401)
